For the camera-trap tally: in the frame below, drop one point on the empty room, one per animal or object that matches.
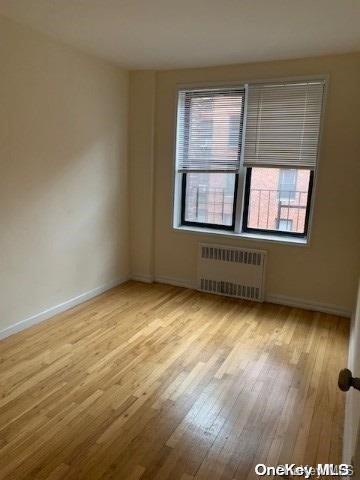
(179, 239)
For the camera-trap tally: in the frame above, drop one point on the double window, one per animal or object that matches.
(246, 157)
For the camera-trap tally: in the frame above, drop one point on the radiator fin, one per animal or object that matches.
(229, 288)
(231, 255)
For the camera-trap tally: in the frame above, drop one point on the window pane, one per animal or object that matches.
(209, 130)
(287, 183)
(209, 198)
(278, 199)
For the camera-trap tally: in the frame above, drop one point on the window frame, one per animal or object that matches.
(265, 231)
(182, 175)
(239, 231)
(217, 226)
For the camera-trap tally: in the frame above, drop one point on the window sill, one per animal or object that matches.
(283, 239)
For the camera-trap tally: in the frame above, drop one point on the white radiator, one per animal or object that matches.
(232, 271)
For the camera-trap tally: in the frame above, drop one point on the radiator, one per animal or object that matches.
(232, 271)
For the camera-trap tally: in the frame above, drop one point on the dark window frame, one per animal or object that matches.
(216, 226)
(265, 231)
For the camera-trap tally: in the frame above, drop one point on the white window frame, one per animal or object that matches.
(176, 191)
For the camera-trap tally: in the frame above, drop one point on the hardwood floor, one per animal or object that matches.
(160, 382)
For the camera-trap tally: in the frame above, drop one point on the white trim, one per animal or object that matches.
(241, 83)
(306, 305)
(61, 307)
(258, 237)
(351, 435)
(177, 282)
(142, 277)
(315, 187)
(270, 298)
(176, 176)
(240, 196)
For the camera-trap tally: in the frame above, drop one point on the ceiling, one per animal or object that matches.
(171, 34)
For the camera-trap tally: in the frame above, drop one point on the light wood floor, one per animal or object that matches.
(159, 382)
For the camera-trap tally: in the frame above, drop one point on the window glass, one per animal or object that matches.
(278, 199)
(209, 198)
(287, 184)
(285, 225)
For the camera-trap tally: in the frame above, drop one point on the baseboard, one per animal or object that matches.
(50, 312)
(177, 282)
(140, 277)
(315, 306)
(72, 302)
(271, 298)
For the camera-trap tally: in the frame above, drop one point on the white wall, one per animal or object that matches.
(322, 274)
(141, 125)
(63, 181)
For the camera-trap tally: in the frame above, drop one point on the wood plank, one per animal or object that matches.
(160, 382)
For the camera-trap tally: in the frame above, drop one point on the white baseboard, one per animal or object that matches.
(72, 302)
(50, 312)
(141, 277)
(177, 282)
(271, 298)
(315, 306)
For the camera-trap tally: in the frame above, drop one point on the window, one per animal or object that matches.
(233, 140)
(208, 155)
(287, 184)
(252, 175)
(206, 126)
(204, 130)
(209, 199)
(268, 207)
(285, 225)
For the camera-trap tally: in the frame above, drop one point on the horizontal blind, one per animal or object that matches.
(283, 124)
(209, 130)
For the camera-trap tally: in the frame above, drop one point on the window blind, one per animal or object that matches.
(283, 124)
(209, 130)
